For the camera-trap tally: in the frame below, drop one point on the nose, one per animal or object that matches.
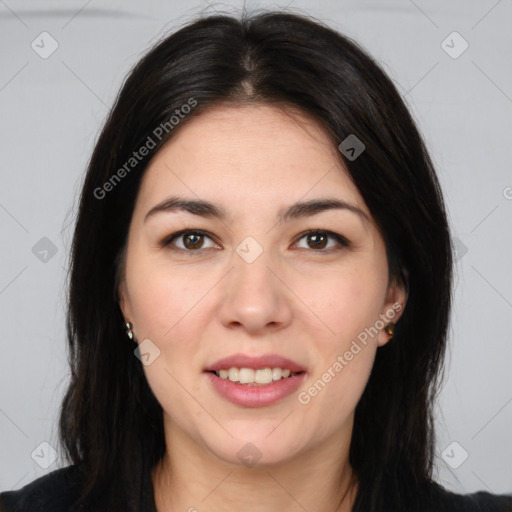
(255, 297)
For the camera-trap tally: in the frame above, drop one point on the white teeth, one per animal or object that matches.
(263, 376)
(251, 376)
(277, 373)
(246, 375)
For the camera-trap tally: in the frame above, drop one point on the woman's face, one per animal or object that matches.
(255, 287)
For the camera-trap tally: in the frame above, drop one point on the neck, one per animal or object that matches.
(191, 478)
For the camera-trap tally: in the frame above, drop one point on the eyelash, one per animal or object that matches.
(342, 241)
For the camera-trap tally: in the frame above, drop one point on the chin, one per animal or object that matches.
(255, 448)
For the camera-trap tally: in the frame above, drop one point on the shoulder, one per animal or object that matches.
(442, 500)
(54, 492)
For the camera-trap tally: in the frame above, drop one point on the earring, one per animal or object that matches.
(390, 329)
(128, 326)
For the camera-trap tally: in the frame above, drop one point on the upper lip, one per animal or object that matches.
(255, 362)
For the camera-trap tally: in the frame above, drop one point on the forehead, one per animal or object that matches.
(252, 156)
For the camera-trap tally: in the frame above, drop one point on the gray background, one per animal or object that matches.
(51, 112)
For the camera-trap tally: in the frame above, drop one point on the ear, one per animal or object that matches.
(393, 308)
(124, 302)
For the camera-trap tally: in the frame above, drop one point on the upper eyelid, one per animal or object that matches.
(178, 234)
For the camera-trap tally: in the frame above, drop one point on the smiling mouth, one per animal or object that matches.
(252, 377)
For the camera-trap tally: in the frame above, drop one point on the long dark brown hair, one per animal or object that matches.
(111, 425)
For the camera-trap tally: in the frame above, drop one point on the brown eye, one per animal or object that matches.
(190, 240)
(318, 240)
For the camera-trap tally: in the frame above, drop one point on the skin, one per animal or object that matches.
(296, 300)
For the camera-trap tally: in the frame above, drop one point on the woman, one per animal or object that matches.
(260, 287)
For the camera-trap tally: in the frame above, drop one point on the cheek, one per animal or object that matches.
(344, 364)
(167, 310)
(162, 300)
(349, 304)
(334, 395)
(346, 302)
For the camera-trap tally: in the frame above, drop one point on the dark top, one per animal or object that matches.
(56, 491)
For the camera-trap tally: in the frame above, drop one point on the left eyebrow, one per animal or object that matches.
(310, 208)
(295, 211)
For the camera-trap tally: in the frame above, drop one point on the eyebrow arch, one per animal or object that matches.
(295, 211)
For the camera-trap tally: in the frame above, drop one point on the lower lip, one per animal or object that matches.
(255, 396)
